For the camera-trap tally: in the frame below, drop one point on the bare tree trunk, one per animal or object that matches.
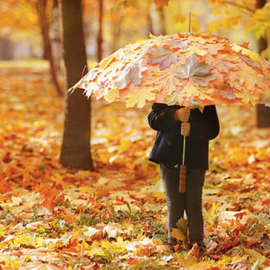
(76, 149)
(262, 112)
(41, 8)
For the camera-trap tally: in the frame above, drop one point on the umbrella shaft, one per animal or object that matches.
(184, 150)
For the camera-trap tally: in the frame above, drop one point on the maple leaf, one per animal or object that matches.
(131, 73)
(112, 95)
(186, 261)
(140, 96)
(178, 44)
(214, 48)
(191, 91)
(195, 50)
(48, 203)
(162, 80)
(163, 56)
(252, 78)
(225, 90)
(198, 73)
(248, 61)
(91, 75)
(237, 48)
(181, 232)
(265, 98)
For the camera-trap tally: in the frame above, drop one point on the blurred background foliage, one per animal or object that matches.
(127, 21)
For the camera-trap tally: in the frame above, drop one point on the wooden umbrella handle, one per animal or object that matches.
(182, 178)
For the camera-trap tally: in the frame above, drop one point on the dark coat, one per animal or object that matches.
(168, 147)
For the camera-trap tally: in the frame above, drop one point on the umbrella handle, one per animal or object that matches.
(183, 170)
(182, 178)
(184, 150)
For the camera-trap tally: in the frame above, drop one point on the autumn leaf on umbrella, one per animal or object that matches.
(163, 80)
(140, 96)
(251, 78)
(265, 98)
(195, 50)
(188, 95)
(131, 73)
(176, 44)
(225, 90)
(197, 72)
(163, 56)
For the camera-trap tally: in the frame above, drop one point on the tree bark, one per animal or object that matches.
(99, 38)
(262, 112)
(157, 17)
(41, 8)
(76, 149)
(55, 35)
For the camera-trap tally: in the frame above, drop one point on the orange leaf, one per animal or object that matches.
(48, 204)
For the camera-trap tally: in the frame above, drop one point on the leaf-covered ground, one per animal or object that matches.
(115, 217)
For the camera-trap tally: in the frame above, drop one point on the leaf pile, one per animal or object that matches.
(115, 217)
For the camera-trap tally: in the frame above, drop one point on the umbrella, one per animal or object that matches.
(190, 69)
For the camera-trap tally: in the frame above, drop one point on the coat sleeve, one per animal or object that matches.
(205, 128)
(162, 116)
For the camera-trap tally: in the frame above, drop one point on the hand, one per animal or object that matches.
(185, 129)
(183, 114)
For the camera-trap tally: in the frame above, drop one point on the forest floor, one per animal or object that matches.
(115, 216)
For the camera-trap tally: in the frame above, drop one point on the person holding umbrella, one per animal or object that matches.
(172, 123)
(186, 69)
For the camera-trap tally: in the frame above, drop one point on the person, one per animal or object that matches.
(172, 123)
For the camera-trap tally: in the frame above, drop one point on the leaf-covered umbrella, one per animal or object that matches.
(189, 69)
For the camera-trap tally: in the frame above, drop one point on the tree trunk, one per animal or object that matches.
(55, 34)
(41, 8)
(262, 112)
(99, 38)
(76, 150)
(6, 49)
(157, 18)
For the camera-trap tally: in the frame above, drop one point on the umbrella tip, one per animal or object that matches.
(189, 22)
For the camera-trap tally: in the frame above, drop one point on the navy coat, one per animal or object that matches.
(168, 147)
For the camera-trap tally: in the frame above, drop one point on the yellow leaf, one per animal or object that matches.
(254, 254)
(201, 93)
(194, 50)
(161, 80)
(250, 77)
(179, 235)
(185, 261)
(112, 95)
(29, 241)
(140, 96)
(160, 196)
(237, 48)
(87, 189)
(107, 61)
(214, 208)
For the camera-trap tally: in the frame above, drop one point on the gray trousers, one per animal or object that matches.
(190, 201)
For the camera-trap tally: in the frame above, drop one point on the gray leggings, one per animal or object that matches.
(190, 201)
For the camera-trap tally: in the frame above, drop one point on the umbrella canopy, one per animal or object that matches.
(189, 69)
